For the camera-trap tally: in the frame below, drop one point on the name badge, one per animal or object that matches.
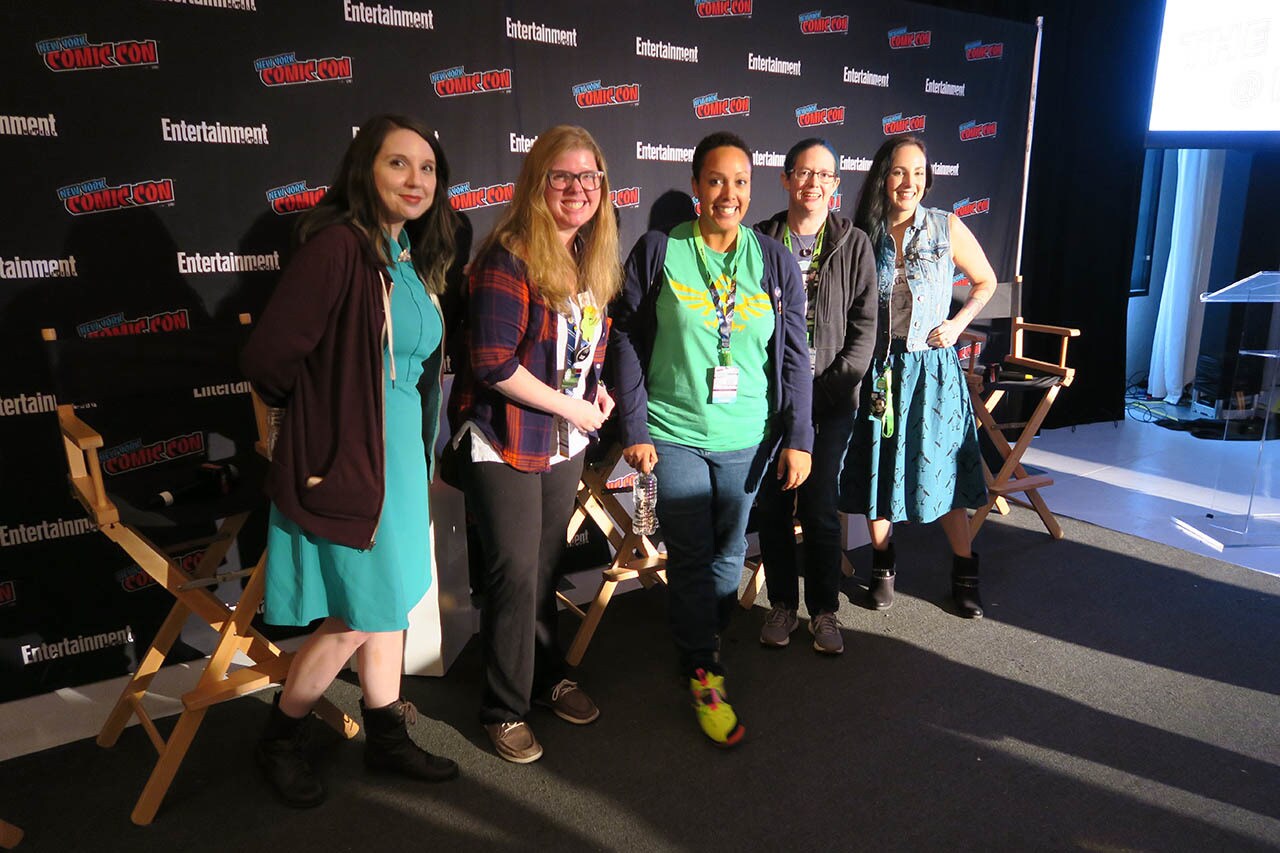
(724, 384)
(813, 361)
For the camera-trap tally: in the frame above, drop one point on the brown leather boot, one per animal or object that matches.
(281, 753)
(388, 747)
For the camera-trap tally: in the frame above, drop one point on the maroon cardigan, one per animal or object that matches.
(318, 351)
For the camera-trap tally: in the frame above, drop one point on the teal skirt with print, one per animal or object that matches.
(932, 463)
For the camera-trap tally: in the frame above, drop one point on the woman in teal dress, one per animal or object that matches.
(914, 455)
(349, 346)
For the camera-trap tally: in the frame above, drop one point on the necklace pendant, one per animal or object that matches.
(404, 255)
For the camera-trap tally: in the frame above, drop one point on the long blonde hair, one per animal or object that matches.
(528, 230)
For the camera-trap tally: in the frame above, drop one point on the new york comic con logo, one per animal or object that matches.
(976, 51)
(813, 115)
(833, 203)
(972, 130)
(898, 123)
(463, 197)
(117, 325)
(723, 8)
(625, 197)
(294, 197)
(901, 38)
(286, 69)
(97, 196)
(133, 455)
(593, 94)
(77, 53)
(8, 593)
(964, 207)
(714, 106)
(815, 23)
(452, 82)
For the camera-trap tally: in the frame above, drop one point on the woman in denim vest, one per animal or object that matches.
(914, 454)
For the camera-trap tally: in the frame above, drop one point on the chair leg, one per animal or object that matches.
(748, 598)
(137, 686)
(175, 749)
(10, 835)
(588, 627)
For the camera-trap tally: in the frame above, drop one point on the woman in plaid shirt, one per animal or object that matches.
(526, 398)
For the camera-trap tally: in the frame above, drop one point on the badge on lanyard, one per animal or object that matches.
(724, 376)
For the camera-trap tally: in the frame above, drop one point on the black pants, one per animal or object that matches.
(521, 519)
(814, 503)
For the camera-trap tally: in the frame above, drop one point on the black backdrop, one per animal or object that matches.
(157, 154)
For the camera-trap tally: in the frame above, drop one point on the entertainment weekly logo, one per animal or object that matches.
(976, 51)
(815, 24)
(456, 81)
(117, 325)
(714, 106)
(464, 197)
(97, 196)
(294, 198)
(625, 197)
(964, 207)
(286, 69)
(593, 94)
(134, 455)
(972, 130)
(813, 115)
(898, 123)
(723, 8)
(902, 39)
(77, 53)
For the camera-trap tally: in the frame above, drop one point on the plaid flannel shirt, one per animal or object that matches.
(507, 327)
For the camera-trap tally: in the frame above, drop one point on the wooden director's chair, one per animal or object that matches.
(635, 555)
(1017, 373)
(130, 372)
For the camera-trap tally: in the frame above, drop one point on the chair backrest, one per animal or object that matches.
(167, 405)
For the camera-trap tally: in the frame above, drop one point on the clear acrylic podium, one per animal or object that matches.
(1247, 514)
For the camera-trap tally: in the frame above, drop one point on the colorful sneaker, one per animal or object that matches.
(826, 634)
(715, 715)
(778, 626)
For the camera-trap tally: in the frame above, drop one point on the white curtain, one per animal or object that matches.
(1195, 223)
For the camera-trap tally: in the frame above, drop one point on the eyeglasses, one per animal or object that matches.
(558, 180)
(824, 177)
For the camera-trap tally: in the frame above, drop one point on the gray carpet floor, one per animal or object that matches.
(1120, 695)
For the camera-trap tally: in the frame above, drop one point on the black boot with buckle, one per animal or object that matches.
(389, 748)
(281, 753)
(964, 586)
(880, 592)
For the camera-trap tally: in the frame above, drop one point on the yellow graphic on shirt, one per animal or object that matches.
(699, 299)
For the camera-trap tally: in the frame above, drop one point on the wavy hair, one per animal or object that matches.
(353, 198)
(871, 214)
(528, 230)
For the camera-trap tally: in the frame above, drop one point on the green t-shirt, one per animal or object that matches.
(687, 341)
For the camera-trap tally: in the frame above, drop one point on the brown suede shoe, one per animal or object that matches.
(514, 741)
(570, 702)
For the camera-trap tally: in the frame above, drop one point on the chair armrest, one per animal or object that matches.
(77, 431)
(1060, 368)
(1063, 331)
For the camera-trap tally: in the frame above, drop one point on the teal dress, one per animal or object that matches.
(373, 589)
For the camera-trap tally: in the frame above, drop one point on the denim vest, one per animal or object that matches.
(927, 258)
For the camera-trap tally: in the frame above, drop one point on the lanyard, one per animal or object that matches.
(724, 313)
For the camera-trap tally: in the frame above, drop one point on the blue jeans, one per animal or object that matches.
(814, 504)
(704, 498)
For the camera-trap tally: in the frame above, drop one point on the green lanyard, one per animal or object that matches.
(724, 313)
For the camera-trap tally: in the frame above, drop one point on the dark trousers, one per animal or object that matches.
(814, 504)
(522, 519)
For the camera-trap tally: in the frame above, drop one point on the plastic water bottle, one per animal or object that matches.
(644, 494)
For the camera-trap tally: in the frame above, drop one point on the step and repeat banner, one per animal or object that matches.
(157, 155)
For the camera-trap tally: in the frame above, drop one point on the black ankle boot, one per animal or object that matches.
(964, 586)
(880, 593)
(281, 753)
(389, 748)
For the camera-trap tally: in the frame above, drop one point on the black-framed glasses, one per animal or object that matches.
(589, 180)
(824, 177)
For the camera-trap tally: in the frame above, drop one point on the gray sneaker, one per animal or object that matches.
(826, 634)
(778, 626)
